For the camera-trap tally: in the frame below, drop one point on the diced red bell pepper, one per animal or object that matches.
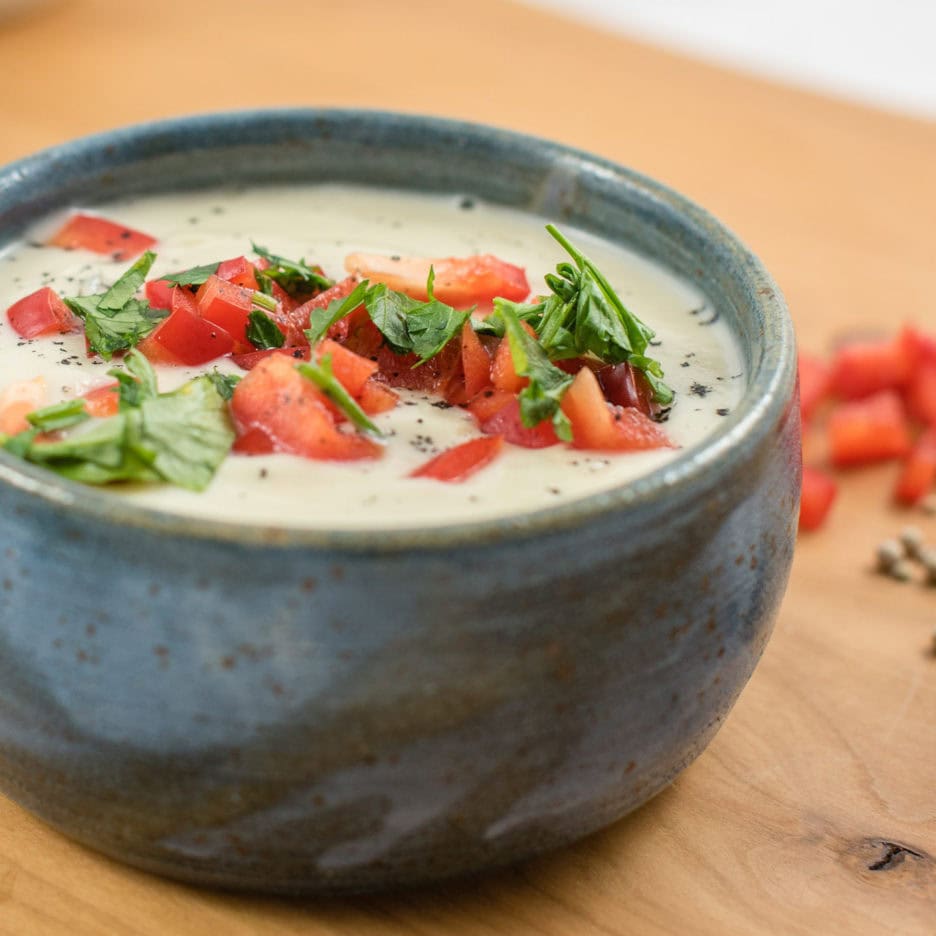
(919, 470)
(459, 281)
(298, 318)
(376, 398)
(869, 430)
(239, 271)
(185, 337)
(819, 491)
(277, 400)
(228, 306)
(13, 417)
(598, 425)
(251, 359)
(440, 375)
(920, 394)
(361, 335)
(351, 370)
(103, 401)
(814, 380)
(253, 442)
(90, 232)
(41, 313)
(286, 302)
(159, 293)
(476, 362)
(920, 346)
(16, 400)
(503, 375)
(459, 463)
(489, 402)
(862, 368)
(506, 422)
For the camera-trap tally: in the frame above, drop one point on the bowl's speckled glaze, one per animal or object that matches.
(301, 711)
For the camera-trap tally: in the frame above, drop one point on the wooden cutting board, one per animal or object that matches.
(814, 810)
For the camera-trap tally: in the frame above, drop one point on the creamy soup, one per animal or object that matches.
(324, 224)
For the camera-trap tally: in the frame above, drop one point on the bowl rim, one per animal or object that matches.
(769, 389)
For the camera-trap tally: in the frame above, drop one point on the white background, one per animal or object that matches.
(880, 52)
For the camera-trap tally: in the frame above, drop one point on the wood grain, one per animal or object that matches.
(783, 825)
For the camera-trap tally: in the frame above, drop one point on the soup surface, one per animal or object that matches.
(324, 224)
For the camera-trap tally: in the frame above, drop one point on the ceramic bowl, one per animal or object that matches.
(298, 711)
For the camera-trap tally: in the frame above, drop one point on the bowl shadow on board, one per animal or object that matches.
(540, 882)
(526, 681)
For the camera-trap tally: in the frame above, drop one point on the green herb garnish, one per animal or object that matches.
(193, 276)
(115, 320)
(322, 319)
(58, 416)
(188, 433)
(263, 332)
(409, 326)
(137, 383)
(295, 276)
(320, 373)
(109, 333)
(584, 315)
(494, 324)
(99, 455)
(179, 437)
(540, 399)
(264, 301)
(127, 285)
(389, 311)
(224, 383)
(433, 324)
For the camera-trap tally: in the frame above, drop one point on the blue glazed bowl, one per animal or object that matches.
(298, 711)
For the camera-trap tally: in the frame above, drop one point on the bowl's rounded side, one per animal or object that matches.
(285, 720)
(283, 713)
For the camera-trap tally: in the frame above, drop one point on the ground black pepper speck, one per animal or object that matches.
(423, 444)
